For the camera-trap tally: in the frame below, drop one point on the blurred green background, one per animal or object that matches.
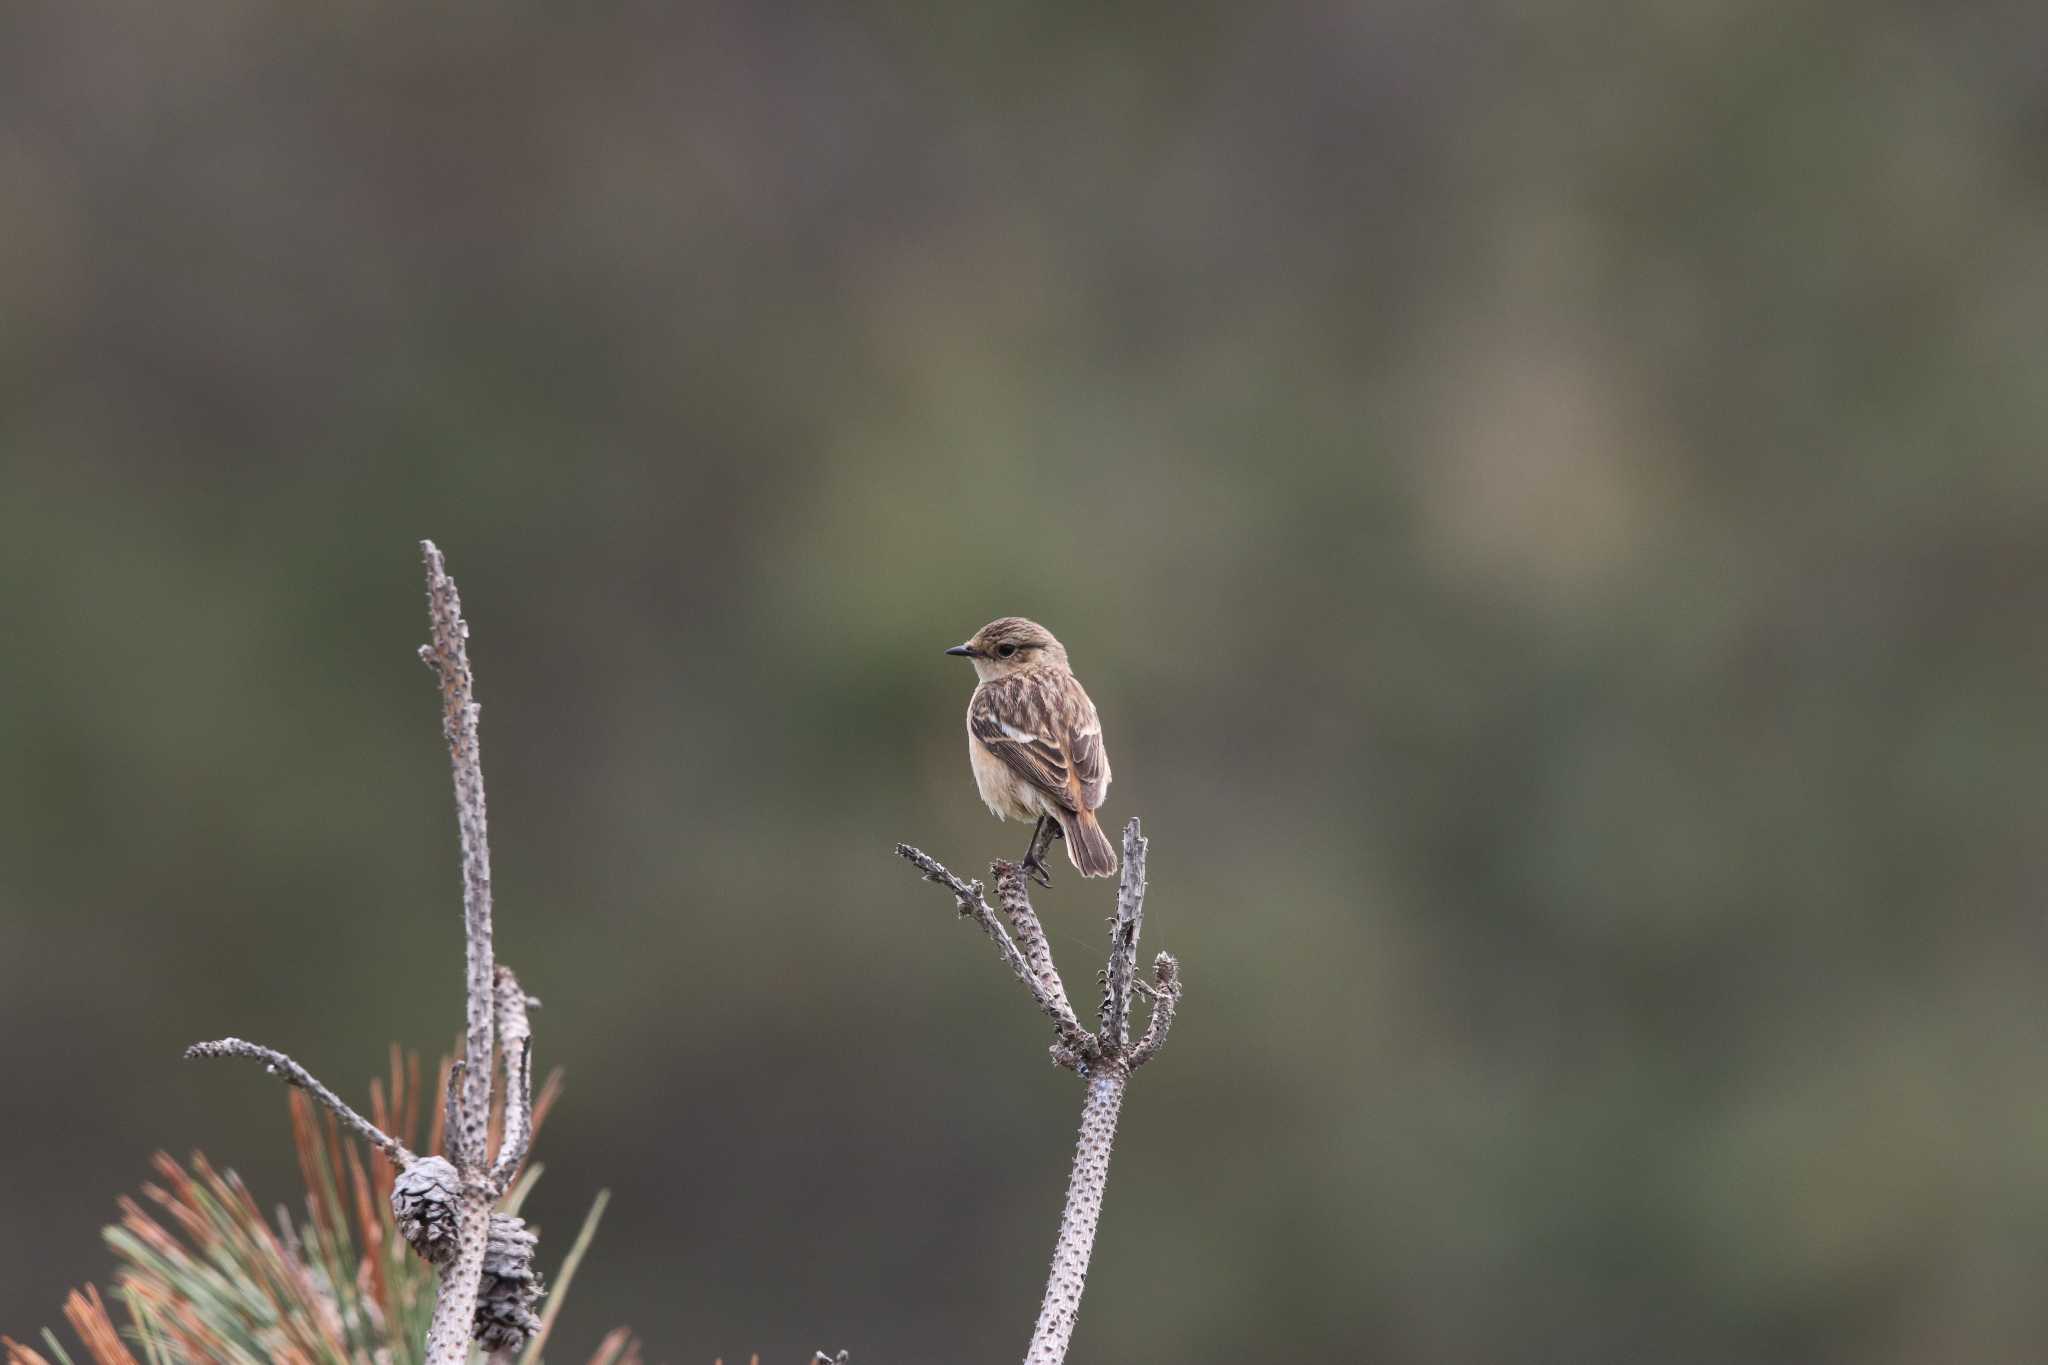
(1550, 504)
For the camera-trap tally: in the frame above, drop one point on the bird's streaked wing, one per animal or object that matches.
(1012, 721)
(1045, 729)
(1090, 763)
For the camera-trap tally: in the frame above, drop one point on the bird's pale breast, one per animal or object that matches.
(1009, 797)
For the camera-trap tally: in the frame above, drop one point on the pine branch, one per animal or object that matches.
(447, 653)
(1106, 1059)
(443, 1205)
(291, 1073)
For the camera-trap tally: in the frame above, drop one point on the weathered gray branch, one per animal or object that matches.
(456, 1317)
(1079, 1217)
(1106, 1058)
(454, 1321)
(289, 1071)
(443, 1205)
(515, 1041)
(1165, 999)
(1044, 978)
(451, 1100)
(1123, 941)
(447, 653)
(1052, 1000)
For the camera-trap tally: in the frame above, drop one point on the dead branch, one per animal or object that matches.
(515, 1043)
(1045, 987)
(291, 1073)
(443, 1205)
(1105, 1058)
(447, 653)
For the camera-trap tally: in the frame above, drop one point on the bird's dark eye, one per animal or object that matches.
(1007, 650)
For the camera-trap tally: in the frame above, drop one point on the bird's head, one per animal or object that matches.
(1011, 644)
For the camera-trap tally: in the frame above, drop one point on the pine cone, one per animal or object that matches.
(510, 1288)
(423, 1201)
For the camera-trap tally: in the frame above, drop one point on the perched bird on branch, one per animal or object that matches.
(1036, 743)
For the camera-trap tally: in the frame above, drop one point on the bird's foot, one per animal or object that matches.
(1042, 834)
(1035, 869)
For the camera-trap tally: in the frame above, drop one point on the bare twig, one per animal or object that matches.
(456, 1317)
(969, 898)
(1123, 940)
(1106, 1058)
(1015, 898)
(443, 1205)
(289, 1071)
(968, 894)
(451, 1102)
(515, 1042)
(1165, 999)
(447, 653)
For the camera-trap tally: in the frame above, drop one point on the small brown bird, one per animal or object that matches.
(1036, 743)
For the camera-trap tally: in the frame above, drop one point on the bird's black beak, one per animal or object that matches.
(966, 650)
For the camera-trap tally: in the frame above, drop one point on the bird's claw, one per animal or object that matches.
(1035, 870)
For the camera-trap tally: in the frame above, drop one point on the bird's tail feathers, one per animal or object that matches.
(1088, 846)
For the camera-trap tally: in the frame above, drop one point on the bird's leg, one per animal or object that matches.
(1032, 864)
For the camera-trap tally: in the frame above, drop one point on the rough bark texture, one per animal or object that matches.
(1051, 998)
(283, 1067)
(1078, 1220)
(515, 1042)
(1123, 941)
(443, 1205)
(488, 1292)
(1037, 955)
(1106, 1058)
(447, 653)
(1165, 999)
(454, 1320)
